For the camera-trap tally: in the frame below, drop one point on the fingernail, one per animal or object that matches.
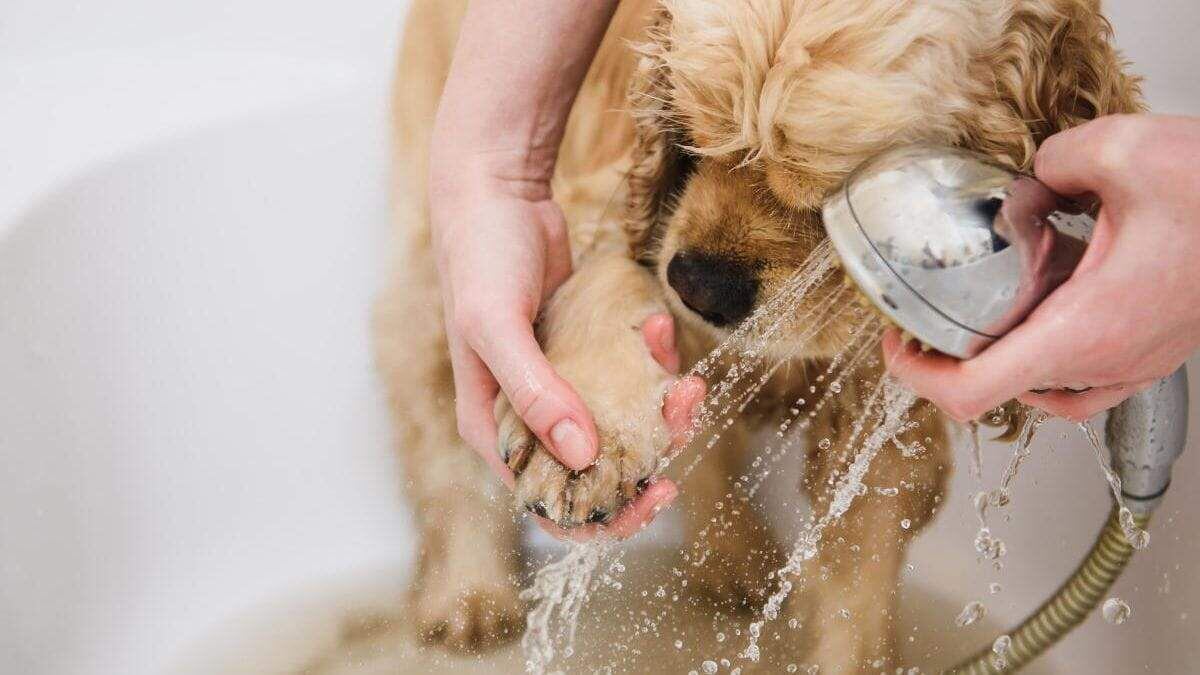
(572, 445)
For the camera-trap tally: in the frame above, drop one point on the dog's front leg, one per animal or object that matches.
(591, 333)
(849, 594)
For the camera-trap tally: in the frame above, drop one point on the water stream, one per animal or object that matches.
(737, 371)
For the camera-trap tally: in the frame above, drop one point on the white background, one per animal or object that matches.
(192, 221)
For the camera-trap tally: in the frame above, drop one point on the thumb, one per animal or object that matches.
(549, 406)
(1090, 158)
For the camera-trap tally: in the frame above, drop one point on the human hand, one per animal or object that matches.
(1130, 313)
(678, 410)
(502, 250)
(500, 241)
(492, 291)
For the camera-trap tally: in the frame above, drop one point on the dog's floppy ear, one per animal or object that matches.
(1055, 67)
(659, 166)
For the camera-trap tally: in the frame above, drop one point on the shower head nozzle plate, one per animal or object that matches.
(951, 246)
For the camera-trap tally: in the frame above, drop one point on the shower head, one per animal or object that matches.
(953, 247)
(957, 250)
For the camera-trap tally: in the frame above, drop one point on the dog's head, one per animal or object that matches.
(748, 113)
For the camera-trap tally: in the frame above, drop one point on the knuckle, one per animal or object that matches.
(526, 399)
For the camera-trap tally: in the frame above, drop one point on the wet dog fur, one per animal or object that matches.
(720, 126)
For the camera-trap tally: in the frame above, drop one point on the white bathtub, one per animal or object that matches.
(193, 215)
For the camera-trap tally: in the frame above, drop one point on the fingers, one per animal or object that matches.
(635, 517)
(1078, 407)
(659, 334)
(679, 409)
(641, 512)
(940, 379)
(475, 390)
(546, 402)
(967, 389)
(1089, 158)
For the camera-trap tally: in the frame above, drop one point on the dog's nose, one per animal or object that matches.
(721, 291)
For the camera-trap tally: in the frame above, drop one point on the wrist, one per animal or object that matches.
(461, 170)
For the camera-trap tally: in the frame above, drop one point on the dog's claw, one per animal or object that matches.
(514, 441)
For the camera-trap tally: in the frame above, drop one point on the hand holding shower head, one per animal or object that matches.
(958, 250)
(954, 248)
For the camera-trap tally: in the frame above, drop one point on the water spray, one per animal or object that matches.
(957, 250)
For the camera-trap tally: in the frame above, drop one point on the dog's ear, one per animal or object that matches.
(660, 166)
(1055, 67)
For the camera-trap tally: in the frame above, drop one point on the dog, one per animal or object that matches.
(721, 125)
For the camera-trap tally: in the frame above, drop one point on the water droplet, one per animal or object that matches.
(1001, 645)
(835, 387)
(793, 623)
(994, 588)
(973, 612)
(906, 523)
(792, 668)
(720, 637)
(999, 497)
(1116, 611)
(679, 644)
(844, 613)
(709, 667)
(824, 444)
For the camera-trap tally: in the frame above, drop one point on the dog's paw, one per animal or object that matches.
(572, 498)
(467, 615)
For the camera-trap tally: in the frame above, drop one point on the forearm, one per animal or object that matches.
(516, 70)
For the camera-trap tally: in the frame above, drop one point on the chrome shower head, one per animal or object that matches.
(953, 247)
(958, 250)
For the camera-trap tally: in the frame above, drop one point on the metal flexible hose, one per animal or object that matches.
(1067, 608)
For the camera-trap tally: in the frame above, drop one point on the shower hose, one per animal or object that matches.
(1067, 608)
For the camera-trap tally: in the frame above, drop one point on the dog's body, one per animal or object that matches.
(775, 102)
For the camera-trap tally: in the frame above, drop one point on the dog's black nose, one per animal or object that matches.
(721, 291)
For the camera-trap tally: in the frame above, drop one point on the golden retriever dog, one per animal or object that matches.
(720, 125)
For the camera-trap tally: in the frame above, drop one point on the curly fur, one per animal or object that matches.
(730, 121)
